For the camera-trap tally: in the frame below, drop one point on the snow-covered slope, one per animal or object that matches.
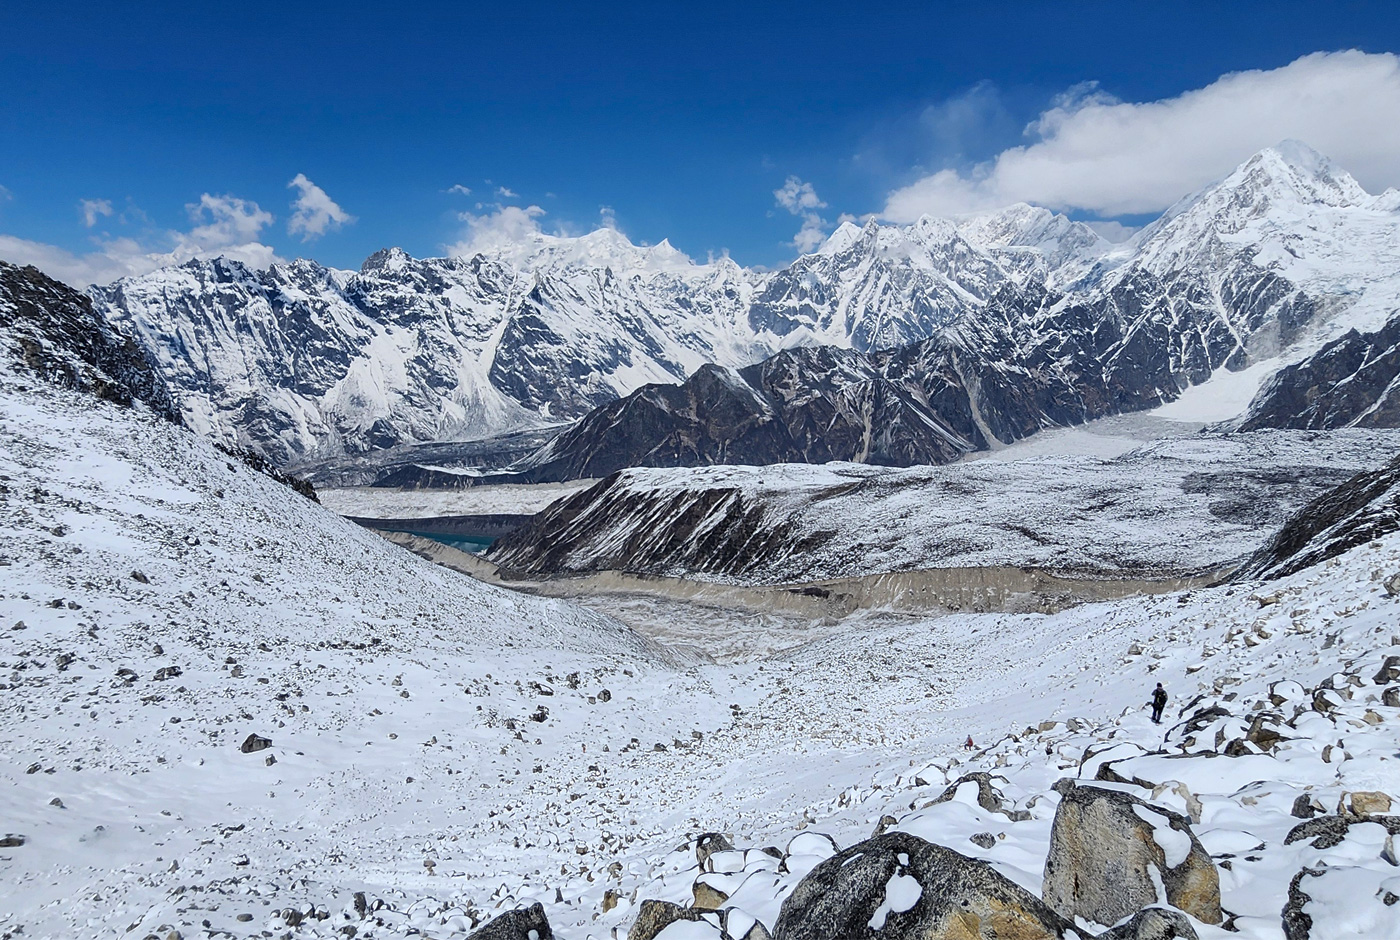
(198, 604)
(228, 712)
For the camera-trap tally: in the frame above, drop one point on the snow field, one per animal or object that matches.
(410, 768)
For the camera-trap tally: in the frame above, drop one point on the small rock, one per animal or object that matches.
(244, 918)
(707, 896)
(270, 760)
(708, 844)
(11, 840)
(140, 578)
(57, 802)
(1304, 807)
(255, 742)
(1369, 803)
(1153, 923)
(1391, 697)
(984, 839)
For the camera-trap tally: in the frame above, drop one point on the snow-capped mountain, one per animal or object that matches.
(301, 361)
(306, 363)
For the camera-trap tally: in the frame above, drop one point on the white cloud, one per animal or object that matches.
(222, 226)
(506, 226)
(93, 209)
(5, 194)
(1111, 157)
(796, 196)
(802, 200)
(459, 189)
(505, 192)
(315, 212)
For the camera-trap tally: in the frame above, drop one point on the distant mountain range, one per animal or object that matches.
(888, 344)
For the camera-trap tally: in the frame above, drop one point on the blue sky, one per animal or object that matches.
(177, 129)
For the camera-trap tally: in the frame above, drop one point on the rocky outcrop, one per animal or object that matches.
(1109, 851)
(1350, 382)
(523, 923)
(900, 887)
(52, 331)
(1363, 508)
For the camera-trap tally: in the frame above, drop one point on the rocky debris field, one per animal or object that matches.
(226, 712)
(1188, 504)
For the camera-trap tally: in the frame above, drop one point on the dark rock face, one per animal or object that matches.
(1028, 360)
(738, 536)
(51, 330)
(523, 923)
(1109, 850)
(1347, 383)
(803, 406)
(899, 887)
(1363, 508)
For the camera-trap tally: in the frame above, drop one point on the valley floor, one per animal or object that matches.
(452, 750)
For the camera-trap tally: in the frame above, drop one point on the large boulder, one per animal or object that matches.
(1109, 851)
(523, 923)
(899, 887)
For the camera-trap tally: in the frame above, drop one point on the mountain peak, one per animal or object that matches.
(386, 259)
(1292, 170)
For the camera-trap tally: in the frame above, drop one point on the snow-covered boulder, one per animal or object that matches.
(653, 917)
(1112, 854)
(900, 887)
(1153, 923)
(523, 923)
